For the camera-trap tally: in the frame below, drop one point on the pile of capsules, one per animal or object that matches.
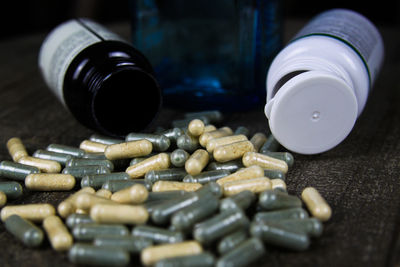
(192, 195)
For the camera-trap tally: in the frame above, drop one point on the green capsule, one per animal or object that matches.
(311, 226)
(292, 213)
(88, 254)
(160, 142)
(127, 243)
(90, 162)
(270, 145)
(117, 185)
(274, 200)
(137, 160)
(165, 195)
(80, 171)
(157, 235)
(231, 166)
(173, 133)
(274, 174)
(204, 259)
(16, 171)
(242, 201)
(88, 231)
(277, 235)
(188, 143)
(75, 219)
(220, 225)
(178, 157)
(244, 254)
(73, 151)
(94, 155)
(242, 130)
(212, 188)
(104, 139)
(11, 189)
(285, 156)
(231, 241)
(24, 230)
(174, 174)
(97, 180)
(213, 116)
(49, 155)
(206, 177)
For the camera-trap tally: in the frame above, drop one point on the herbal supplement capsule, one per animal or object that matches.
(209, 128)
(97, 180)
(316, 204)
(230, 166)
(25, 231)
(220, 225)
(137, 160)
(205, 259)
(48, 155)
(274, 174)
(311, 226)
(75, 219)
(188, 142)
(104, 193)
(163, 196)
(11, 189)
(43, 165)
(278, 184)
(210, 188)
(242, 200)
(3, 199)
(244, 254)
(231, 241)
(157, 234)
(90, 162)
(127, 243)
(243, 174)
(89, 231)
(292, 213)
(86, 201)
(60, 238)
(232, 151)
(225, 140)
(258, 140)
(183, 123)
(274, 234)
(174, 174)
(270, 145)
(32, 212)
(157, 162)
(16, 148)
(80, 171)
(160, 142)
(73, 151)
(129, 149)
(67, 206)
(49, 182)
(179, 157)
(161, 186)
(197, 161)
(242, 130)
(255, 185)
(206, 177)
(220, 132)
(135, 194)
(125, 214)
(94, 155)
(196, 127)
(104, 139)
(285, 156)
(116, 185)
(16, 171)
(173, 134)
(92, 147)
(87, 254)
(273, 200)
(264, 161)
(153, 254)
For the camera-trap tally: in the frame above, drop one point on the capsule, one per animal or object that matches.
(278, 184)
(73, 151)
(165, 195)
(316, 204)
(92, 147)
(160, 142)
(124, 214)
(32, 212)
(43, 165)
(16, 171)
(75, 219)
(258, 140)
(184, 123)
(116, 185)
(129, 149)
(221, 141)
(241, 200)
(214, 116)
(86, 201)
(157, 235)
(197, 161)
(206, 177)
(242, 130)
(3, 199)
(271, 145)
(188, 142)
(174, 174)
(16, 149)
(231, 241)
(255, 185)
(311, 226)
(266, 162)
(242, 174)
(94, 155)
(11, 189)
(135, 194)
(157, 162)
(205, 259)
(196, 127)
(96, 181)
(49, 182)
(87, 254)
(274, 174)
(161, 186)
(231, 166)
(273, 200)
(291, 213)
(105, 139)
(211, 188)
(220, 132)
(25, 231)
(232, 151)
(127, 243)
(80, 171)
(173, 134)
(54, 156)
(67, 206)
(90, 162)
(104, 193)
(178, 157)
(89, 231)
(58, 234)
(285, 156)
(153, 254)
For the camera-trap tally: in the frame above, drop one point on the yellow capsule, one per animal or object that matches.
(258, 140)
(67, 206)
(16, 149)
(104, 193)
(255, 185)
(242, 174)
(44, 165)
(31, 212)
(58, 234)
(160, 161)
(221, 141)
(161, 186)
(220, 132)
(196, 162)
(119, 213)
(209, 128)
(316, 204)
(153, 254)
(86, 201)
(92, 147)
(264, 161)
(3, 199)
(278, 184)
(134, 194)
(49, 182)
(196, 127)
(131, 149)
(232, 151)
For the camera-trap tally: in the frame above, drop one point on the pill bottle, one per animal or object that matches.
(105, 83)
(318, 85)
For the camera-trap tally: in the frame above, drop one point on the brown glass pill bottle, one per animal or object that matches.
(105, 83)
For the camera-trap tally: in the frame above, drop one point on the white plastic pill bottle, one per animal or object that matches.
(318, 84)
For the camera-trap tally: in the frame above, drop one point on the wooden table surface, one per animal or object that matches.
(360, 178)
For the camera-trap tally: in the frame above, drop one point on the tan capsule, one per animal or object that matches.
(119, 213)
(160, 161)
(67, 206)
(196, 127)
(278, 184)
(255, 185)
(92, 147)
(221, 141)
(44, 165)
(316, 204)
(196, 162)
(232, 151)
(258, 140)
(49, 182)
(134, 194)
(58, 234)
(220, 132)
(131, 149)
(209, 128)
(242, 174)
(153, 254)
(161, 186)
(86, 201)
(31, 212)
(3, 199)
(16, 149)
(264, 161)
(104, 193)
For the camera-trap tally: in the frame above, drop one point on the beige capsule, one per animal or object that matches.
(278, 184)
(92, 147)
(49, 182)
(3, 199)
(153, 254)
(232, 151)
(316, 204)
(221, 141)
(255, 185)
(264, 161)
(196, 127)
(220, 132)
(119, 213)
(242, 174)
(135, 194)
(31, 212)
(209, 128)
(16, 148)
(160, 161)
(44, 165)
(58, 234)
(161, 186)
(258, 139)
(104, 193)
(197, 162)
(131, 149)
(67, 206)
(86, 201)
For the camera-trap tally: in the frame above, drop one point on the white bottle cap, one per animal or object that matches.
(312, 112)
